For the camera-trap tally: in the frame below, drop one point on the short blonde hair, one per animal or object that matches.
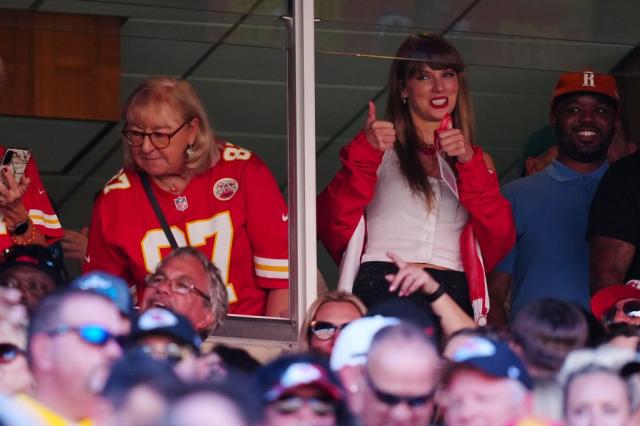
(156, 93)
(330, 296)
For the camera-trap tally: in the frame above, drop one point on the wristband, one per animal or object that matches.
(436, 294)
(20, 228)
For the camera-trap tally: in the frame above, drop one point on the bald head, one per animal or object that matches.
(401, 375)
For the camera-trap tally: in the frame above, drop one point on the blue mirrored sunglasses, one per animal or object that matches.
(93, 334)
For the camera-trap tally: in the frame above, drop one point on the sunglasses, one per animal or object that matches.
(9, 352)
(392, 400)
(324, 330)
(292, 404)
(92, 334)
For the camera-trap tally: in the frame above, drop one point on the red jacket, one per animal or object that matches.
(488, 236)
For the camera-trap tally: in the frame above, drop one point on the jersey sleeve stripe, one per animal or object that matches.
(272, 268)
(272, 274)
(47, 220)
(270, 262)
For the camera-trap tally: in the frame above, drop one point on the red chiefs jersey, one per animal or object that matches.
(37, 203)
(233, 212)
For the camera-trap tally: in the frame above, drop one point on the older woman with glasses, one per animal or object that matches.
(182, 186)
(326, 317)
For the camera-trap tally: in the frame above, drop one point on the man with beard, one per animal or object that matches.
(551, 256)
(186, 282)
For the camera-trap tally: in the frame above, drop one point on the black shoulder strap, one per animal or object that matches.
(156, 208)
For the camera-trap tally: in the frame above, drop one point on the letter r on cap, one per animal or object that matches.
(588, 79)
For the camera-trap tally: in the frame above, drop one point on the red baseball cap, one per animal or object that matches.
(586, 81)
(604, 299)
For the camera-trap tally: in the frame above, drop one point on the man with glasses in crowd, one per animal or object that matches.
(400, 378)
(72, 337)
(186, 282)
(617, 304)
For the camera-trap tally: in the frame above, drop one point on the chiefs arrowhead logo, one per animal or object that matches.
(225, 188)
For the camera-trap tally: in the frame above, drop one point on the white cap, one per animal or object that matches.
(352, 345)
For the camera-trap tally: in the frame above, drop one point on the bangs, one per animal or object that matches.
(427, 50)
(415, 67)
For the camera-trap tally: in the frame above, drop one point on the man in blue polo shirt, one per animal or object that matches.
(551, 255)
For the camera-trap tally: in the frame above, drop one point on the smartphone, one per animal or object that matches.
(16, 159)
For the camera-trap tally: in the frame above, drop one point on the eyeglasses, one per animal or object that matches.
(631, 308)
(92, 334)
(292, 404)
(158, 139)
(9, 352)
(392, 399)
(325, 330)
(179, 286)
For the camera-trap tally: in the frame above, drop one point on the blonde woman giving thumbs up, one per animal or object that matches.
(413, 182)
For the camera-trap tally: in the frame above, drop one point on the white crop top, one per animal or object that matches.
(399, 221)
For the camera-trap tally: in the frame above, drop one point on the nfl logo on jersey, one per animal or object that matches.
(181, 203)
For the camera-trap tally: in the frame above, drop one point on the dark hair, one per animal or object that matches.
(547, 330)
(416, 52)
(136, 368)
(492, 332)
(237, 359)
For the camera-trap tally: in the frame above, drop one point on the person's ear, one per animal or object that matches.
(531, 165)
(205, 321)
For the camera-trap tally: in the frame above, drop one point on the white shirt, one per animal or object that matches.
(399, 221)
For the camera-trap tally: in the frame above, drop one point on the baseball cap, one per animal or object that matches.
(604, 299)
(491, 357)
(35, 256)
(290, 372)
(164, 322)
(586, 81)
(108, 285)
(352, 345)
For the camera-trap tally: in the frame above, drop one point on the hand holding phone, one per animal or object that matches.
(16, 159)
(14, 182)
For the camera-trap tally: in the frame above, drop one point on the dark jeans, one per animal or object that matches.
(372, 287)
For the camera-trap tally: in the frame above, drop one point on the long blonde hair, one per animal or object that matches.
(157, 92)
(330, 296)
(413, 54)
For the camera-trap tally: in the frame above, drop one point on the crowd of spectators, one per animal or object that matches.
(458, 303)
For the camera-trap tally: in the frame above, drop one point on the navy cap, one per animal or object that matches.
(35, 256)
(164, 322)
(108, 285)
(408, 311)
(491, 357)
(293, 371)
